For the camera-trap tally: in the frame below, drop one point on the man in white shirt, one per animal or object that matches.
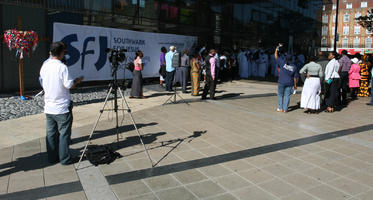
(57, 82)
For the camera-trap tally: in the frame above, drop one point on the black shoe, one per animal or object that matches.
(72, 160)
(203, 98)
(213, 98)
(369, 104)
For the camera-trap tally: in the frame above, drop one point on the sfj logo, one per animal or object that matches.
(74, 53)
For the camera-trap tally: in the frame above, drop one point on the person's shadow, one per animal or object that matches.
(27, 163)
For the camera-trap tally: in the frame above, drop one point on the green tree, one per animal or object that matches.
(366, 21)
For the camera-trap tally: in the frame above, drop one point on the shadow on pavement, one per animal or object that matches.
(109, 132)
(177, 167)
(54, 190)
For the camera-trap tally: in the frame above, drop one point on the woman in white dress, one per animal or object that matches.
(310, 100)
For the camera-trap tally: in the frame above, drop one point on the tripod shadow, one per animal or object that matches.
(172, 144)
(135, 140)
(109, 132)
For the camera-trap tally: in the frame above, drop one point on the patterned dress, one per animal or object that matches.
(364, 81)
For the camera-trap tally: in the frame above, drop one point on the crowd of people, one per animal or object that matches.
(333, 81)
(178, 68)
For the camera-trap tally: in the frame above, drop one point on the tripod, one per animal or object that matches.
(114, 88)
(173, 97)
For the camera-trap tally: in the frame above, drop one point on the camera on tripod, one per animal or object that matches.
(116, 56)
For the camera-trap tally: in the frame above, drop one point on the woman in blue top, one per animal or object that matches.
(287, 80)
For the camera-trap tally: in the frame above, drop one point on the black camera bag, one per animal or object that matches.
(101, 154)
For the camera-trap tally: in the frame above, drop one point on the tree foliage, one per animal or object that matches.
(366, 21)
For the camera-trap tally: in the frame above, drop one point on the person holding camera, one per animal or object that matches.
(56, 82)
(136, 89)
(288, 75)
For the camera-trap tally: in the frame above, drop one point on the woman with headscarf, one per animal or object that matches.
(136, 89)
(310, 99)
(194, 74)
(354, 77)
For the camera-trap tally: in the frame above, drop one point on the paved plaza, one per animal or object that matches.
(237, 147)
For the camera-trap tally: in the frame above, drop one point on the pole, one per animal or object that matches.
(21, 89)
(20, 63)
(336, 27)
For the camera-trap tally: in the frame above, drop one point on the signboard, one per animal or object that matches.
(86, 46)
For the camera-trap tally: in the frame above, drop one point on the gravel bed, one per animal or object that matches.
(12, 107)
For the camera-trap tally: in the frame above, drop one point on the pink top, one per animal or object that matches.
(137, 63)
(354, 72)
(212, 66)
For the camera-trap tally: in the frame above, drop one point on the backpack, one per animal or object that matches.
(176, 60)
(130, 66)
(101, 154)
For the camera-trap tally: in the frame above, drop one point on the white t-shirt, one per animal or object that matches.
(56, 83)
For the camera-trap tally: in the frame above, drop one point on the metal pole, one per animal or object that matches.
(336, 26)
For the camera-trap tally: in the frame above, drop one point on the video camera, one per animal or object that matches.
(116, 56)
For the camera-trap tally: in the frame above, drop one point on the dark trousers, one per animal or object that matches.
(169, 80)
(333, 93)
(58, 137)
(344, 87)
(209, 86)
(184, 78)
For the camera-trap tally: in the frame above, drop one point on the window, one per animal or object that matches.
(325, 19)
(334, 6)
(333, 30)
(346, 18)
(356, 42)
(368, 42)
(346, 30)
(348, 5)
(357, 30)
(345, 43)
(332, 43)
(323, 7)
(364, 4)
(324, 30)
(357, 15)
(334, 18)
(323, 42)
(142, 3)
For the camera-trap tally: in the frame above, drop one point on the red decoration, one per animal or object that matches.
(21, 41)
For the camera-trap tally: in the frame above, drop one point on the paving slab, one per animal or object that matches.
(237, 147)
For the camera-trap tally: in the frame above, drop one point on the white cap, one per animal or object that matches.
(355, 60)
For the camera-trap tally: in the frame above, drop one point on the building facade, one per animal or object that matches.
(221, 24)
(350, 34)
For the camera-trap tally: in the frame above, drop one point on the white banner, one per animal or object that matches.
(86, 47)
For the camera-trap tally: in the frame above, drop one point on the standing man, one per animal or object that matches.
(170, 71)
(184, 70)
(56, 82)
(210, 75)
(345, 64)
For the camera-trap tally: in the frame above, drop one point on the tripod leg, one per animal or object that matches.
(169, 99)
(94, 126)
(134, 125)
